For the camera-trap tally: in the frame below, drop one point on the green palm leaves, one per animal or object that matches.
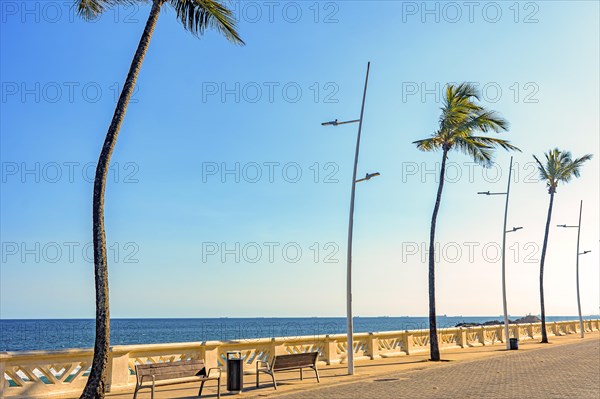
(198, 15)
(195, 15)
(92, 9)
(559, 167)
(462, 118)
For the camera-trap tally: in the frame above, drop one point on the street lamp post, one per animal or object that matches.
(349, 321)
(504, 231)
(577, 267)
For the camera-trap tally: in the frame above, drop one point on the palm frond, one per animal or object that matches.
(465, 90)
(199, 15)
(494, 142)
(430, 144)
(91, 9)
(459, 105)
(577, 163)
(481, 152)
(542, 170)
(484, 122)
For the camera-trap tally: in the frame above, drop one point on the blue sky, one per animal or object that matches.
(176, 219)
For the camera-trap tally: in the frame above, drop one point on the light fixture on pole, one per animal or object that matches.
(335, 122)
(349, 321)
(369, 176)
(577, 266)
(504, 231)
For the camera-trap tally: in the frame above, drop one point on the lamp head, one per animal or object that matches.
(370, 175)
(330, 123)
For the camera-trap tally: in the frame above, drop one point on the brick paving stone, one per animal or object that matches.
(566, 371)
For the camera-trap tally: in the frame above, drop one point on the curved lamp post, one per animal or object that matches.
(350, 328)
(504, 231)
(577, 266)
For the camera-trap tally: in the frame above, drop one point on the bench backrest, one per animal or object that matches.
(295, 360)
(170, 370)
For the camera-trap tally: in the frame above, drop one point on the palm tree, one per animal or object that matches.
(196, 16)
(461, 119)
(559, 167)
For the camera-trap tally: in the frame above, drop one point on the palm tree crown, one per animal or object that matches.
(461, 118)
(559, 167)
(195, 15)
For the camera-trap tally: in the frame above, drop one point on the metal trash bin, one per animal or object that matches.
(235, 372)
(514, 344)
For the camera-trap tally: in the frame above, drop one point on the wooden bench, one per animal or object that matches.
(151, 375)
(296, 361)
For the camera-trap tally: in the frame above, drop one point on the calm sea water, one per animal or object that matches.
(20, 335)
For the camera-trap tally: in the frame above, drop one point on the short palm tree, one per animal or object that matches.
(196, 16)
(559, 167)
(461, 119)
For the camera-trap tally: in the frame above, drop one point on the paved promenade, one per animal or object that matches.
(566, 371)
(568, 367)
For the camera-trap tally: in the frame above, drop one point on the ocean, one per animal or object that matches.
(22, 335)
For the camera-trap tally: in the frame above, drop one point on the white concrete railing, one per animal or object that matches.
(63, 373)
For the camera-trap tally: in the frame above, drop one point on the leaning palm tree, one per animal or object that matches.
(459, 123)
(559, 167)
(196, 16)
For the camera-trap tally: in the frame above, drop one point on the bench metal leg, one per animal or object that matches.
(317, 373)
(152, 393)
(218, 387)
(274, 382)
(136, 391)
(301, 374)
(257, 379)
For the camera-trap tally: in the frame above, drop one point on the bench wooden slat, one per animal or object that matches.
(295, 360)
(185, 380)
(167, 365)
(175, 375)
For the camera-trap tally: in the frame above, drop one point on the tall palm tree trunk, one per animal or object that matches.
(433, 338)
(542, 260)
(96, 382)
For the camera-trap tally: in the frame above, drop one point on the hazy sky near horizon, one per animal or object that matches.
(228, 198)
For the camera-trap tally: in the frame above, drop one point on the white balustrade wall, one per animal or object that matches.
(63, 373)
